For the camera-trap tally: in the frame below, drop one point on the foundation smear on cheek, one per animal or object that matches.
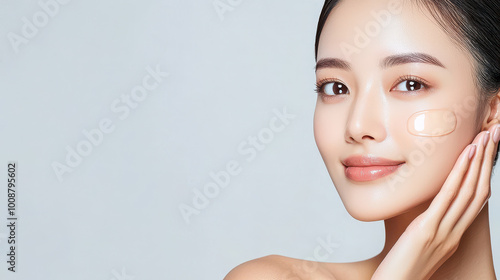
(432, 123)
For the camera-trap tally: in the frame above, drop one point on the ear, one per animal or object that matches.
(493, 112)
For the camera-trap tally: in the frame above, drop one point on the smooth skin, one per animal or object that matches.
(426, 244)
(435, 223)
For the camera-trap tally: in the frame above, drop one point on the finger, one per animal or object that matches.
(487, 167)
(483, 190)
(467, 189)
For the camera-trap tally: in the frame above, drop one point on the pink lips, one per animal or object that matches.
(364, 168)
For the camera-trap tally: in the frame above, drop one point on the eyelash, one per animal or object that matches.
(320, 84)
(413, 78)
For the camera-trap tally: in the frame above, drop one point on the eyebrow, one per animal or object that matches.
(387, 62)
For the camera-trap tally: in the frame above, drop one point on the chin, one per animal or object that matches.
(376, 202)
(371, 213)
(383, 209)
(366, 213)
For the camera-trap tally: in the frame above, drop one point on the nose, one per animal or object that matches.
(366, 120)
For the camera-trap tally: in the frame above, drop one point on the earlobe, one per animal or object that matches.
(493, 116)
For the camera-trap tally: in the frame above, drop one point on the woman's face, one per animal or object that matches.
(370, 89)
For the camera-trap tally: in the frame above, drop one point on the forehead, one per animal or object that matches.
(365, 30)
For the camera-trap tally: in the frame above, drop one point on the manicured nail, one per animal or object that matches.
(472, 150)
(496, 134)
(486, 138)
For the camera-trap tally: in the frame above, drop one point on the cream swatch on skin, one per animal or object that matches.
(432, 123)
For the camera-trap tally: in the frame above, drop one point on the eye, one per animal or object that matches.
(410, 84)
(331, 88)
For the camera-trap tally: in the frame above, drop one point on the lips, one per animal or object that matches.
(365, 168)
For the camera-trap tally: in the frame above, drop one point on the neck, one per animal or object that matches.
(473, 258)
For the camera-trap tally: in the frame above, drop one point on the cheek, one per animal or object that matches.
(432, 123)
(328, 130)
(432, 141)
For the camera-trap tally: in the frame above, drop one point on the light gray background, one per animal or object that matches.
(116, 216)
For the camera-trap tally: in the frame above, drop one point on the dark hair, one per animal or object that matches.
(474, 26)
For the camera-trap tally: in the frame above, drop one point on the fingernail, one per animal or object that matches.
(496, 134)
(486, 138)
(472, 150)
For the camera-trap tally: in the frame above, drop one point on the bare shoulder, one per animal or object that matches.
(266, 268)
(276, 267)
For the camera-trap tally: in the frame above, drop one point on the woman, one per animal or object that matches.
(407, 123)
